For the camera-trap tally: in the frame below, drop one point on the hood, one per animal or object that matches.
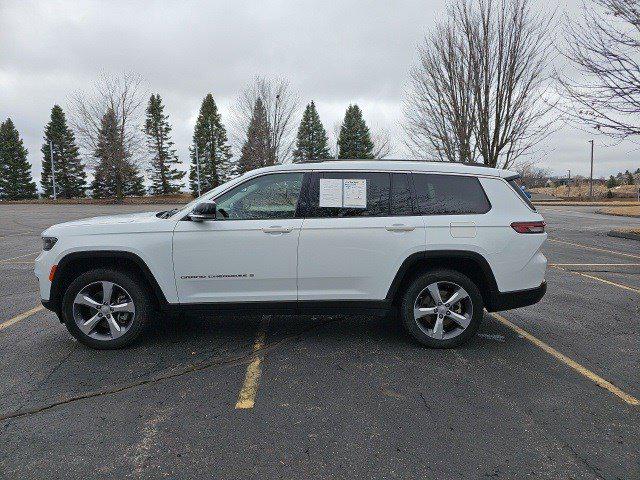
(114, 219)
(125, 223)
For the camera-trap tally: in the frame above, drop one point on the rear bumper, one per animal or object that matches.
(517, 299)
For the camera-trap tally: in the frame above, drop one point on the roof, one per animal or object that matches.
(394, 165)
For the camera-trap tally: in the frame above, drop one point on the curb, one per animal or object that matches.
(627, 235)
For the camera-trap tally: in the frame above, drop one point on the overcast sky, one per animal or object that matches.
(335, 53)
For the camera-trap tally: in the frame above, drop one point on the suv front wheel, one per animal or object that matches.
(106, 309)
(442, 309)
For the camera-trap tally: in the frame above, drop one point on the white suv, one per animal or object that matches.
(437, 242)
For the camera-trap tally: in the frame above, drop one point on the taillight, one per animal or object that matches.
(528, 227)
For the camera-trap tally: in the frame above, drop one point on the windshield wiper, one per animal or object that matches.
(167, 213)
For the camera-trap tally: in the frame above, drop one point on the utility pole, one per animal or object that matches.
(53, 170)
(198, 168)
(569, 184)
(591, 176)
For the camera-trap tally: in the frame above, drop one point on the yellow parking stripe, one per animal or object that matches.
(593, 277)
(247, 395)
(20, 317)
(587, 247)
(601, 382)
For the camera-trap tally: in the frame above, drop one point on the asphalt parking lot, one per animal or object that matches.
(542, 392)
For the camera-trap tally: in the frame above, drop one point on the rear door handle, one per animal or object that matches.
(277, 229)
(400, 227)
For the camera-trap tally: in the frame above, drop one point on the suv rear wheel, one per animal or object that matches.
(442, 308)
(106, 309)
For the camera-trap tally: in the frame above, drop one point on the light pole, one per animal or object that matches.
(198, 168)
(53, 170)
(591, 176)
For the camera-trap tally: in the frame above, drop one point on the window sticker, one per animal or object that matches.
(339, 193)
(330, 192)
(354, 193)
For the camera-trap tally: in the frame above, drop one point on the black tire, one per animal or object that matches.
(134, 286)
(418, 285)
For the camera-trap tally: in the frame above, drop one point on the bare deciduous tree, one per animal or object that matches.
(605, 48)
(382, 143)
(480, 88)
(123, 94)
(281, 104)
(439, 108)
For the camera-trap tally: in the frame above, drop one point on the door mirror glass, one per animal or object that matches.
(204, 211)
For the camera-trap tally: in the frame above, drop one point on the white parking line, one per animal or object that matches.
(19, 256)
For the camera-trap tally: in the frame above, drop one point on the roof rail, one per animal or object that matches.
(321, 160)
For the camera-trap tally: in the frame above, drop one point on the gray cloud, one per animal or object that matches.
(332, 52)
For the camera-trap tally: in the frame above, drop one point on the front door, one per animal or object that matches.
(249, 253)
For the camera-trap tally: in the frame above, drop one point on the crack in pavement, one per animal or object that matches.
(193, 368)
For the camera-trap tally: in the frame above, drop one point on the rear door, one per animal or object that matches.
(358, 229)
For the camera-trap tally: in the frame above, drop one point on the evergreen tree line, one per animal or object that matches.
(115, 175)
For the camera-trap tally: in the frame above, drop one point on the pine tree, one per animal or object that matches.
(15, 170)
(630, 179)
(256, 151)
(214, 152)
(69, 171)
(165, 179)
(115, 175)
(312, 137)
(354, 140)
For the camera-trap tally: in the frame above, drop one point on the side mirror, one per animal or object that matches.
(204, 211)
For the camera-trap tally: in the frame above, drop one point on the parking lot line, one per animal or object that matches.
(601, 382)
(20, 317)
(19, 256)
(587, 247)
(249, 390)
(594, 264)
(593, 277)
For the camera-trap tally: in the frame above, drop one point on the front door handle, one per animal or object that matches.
(274, 229)
(400, 227)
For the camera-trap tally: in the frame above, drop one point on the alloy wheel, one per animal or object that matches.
(103, 310)
(443, 310)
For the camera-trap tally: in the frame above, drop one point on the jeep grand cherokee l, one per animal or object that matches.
(435, 242)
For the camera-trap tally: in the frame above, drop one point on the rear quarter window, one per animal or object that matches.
(516, 184)
(438, 194)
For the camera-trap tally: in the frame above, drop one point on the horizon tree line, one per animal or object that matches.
(105, 128)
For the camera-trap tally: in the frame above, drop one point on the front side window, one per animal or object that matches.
(266, 197)
(438, 194)
(349, 194)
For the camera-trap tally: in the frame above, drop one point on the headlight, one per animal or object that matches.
(48, 243)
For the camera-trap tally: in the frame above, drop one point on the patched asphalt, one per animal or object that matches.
(338, 396)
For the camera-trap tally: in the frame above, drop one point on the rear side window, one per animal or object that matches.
(401, 200)
(449, 195)
(372, 189)
(517, 185)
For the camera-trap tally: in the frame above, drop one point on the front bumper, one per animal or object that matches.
(517, 299)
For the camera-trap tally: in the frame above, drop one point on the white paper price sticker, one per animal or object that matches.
(330, 192)
(354, 193)
(338, 193)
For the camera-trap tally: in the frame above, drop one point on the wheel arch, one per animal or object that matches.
(471, 264)
(76, 263)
